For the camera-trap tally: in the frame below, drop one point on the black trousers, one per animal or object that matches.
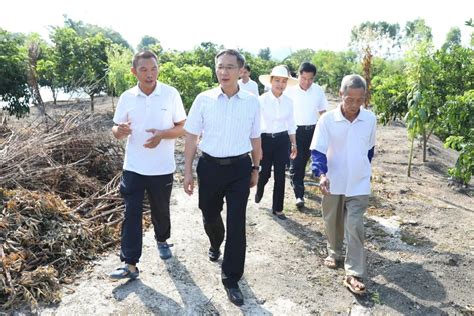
(132, 188)
(304, 135)
(275, 153)
(229, 182)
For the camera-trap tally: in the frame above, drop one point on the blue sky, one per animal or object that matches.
(247, 24)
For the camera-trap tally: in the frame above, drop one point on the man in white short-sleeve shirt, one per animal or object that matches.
(150, 116)
(309, 102)
(227, 119)
(247, 84)
(342, 150)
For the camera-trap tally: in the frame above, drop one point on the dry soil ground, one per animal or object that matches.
(420, 244)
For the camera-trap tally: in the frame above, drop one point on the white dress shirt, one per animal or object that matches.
(225, 124)
(307, 104)
(251, 86)
(159, 110)
(346, 145)
(276, 114)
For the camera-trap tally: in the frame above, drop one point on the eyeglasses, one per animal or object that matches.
(226, 68)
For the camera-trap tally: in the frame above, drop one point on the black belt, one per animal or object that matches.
(224, 161)
(273, 135)
(306, 127)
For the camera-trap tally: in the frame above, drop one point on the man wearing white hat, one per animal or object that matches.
(278, 130)
(309, 103)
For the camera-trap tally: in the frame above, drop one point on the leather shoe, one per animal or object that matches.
(235, 295)
(214, 254)
(280, 216)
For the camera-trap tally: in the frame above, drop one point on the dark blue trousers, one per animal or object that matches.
(304, 135)
(230, 182)
(275, 153)
(133, 187)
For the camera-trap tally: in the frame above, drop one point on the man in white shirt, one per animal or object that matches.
(309, 102)
(342, 150)
(227, 119)
(245, 83)
(150, 116)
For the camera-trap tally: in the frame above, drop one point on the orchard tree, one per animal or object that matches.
(294, 60)
(452, 38)
(190, 80)
(13, 74)
(119, 75)
(150, 43)
(85, 30)
(265, 53)
(417, 31)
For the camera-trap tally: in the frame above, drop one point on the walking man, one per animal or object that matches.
(342, 150)
(150, 116)
(227, 121)
(309, 102)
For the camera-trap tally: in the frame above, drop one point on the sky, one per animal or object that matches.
(284, 26)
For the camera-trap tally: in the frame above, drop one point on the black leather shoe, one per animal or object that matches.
(258, 198)
(235, 295)
(214, 254)
(280, 216)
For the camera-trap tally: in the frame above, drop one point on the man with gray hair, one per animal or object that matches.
(342, 149)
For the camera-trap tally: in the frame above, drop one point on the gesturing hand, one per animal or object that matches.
(153, 141)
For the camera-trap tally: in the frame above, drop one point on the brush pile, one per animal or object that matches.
(60, 205)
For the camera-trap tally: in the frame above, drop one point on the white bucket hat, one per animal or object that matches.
(278, 71)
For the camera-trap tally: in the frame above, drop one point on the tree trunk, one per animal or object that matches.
(425, 141)
(410, 157)
(33, 53)
(92, 102)
(55, 96)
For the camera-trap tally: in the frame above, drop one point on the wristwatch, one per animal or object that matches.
(258, 168)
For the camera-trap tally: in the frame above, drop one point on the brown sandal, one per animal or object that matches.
(330, 262)
(354, 284)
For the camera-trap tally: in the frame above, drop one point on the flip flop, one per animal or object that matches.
(348, 282)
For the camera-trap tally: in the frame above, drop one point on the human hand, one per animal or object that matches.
(254, 178)
(153, 141)
(294, 152)
(324, 184)
(188, 183)
(123, 129)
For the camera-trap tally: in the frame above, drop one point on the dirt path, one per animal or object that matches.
(420, 244)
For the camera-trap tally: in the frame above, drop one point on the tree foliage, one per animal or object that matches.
(13, 74)
(85, 30)
(189, 80)
(119, 76)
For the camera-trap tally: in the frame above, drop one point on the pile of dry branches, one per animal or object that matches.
(60, 205)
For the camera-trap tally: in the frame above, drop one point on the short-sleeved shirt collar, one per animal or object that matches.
(362, 116)
(137, 91)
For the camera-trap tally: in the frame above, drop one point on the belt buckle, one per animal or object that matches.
(308, 127)
(273, 135)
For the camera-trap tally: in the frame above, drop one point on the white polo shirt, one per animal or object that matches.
(225, 124)
(159, 110)
(251, 86)
(346, 146)
(307, 104)
(276, 114)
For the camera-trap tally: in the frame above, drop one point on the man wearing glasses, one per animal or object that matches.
(226, 119)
